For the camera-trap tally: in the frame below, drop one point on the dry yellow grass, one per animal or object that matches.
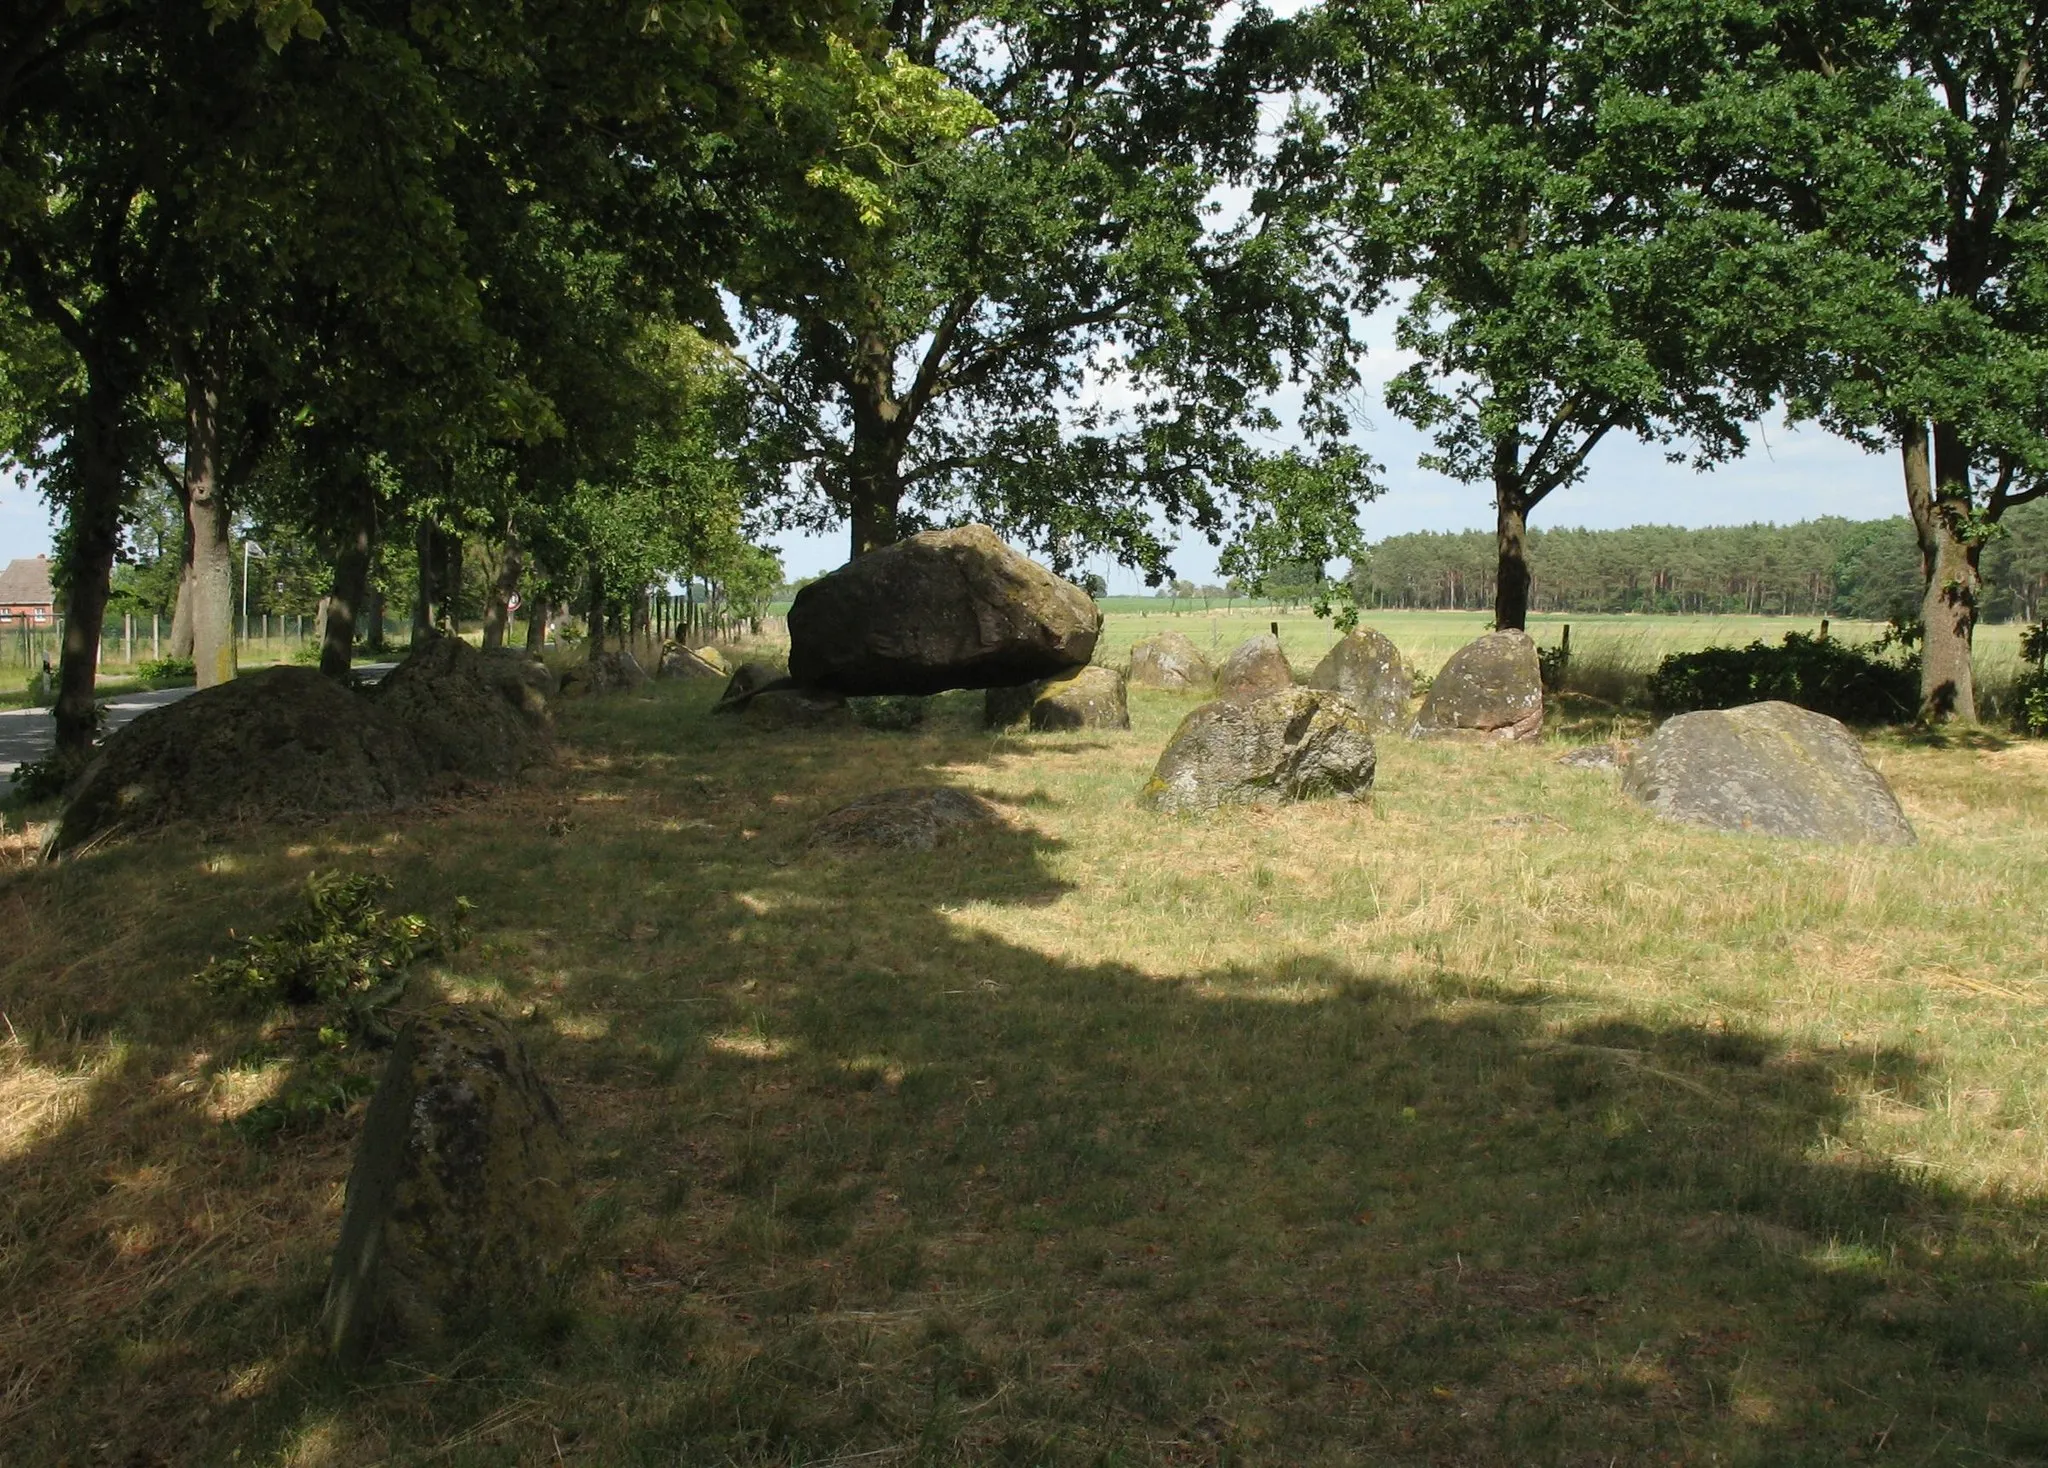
(1408, 1132)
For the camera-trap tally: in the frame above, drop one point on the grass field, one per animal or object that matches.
(1490, 1122)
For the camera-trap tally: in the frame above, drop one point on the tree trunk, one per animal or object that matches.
(1511, 534)
(207, 531)
(1949, 548)
(875, 467)
(372, 619)
(596, 617)
(498, 613)
(92, 535)
(351, 580)
(181, 609)
(537, 623)
(449, 582)
(423, 599)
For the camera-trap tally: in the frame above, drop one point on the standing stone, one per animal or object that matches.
(747, 680)
(1255, 670)
(460, 1205)
(1298, 744)
(606, 672)
(1093, 698)
(1172, 662)
(1772, 768)
(678, 661)
(1491, 689)
(945, 609)
(1367, 669)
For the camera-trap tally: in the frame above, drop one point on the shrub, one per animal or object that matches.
(2030, 692)
(167, 670)
(344, 954)
(1858, 685)
(344, 960)
(42, 779)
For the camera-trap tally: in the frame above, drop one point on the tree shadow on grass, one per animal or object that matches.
(862, 1177)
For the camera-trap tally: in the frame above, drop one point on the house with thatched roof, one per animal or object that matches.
(26, 597)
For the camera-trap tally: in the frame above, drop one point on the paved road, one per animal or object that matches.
(26, 734)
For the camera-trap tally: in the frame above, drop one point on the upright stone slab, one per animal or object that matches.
(1093, 698)
(1256, 669)
(1367, 669)
(945, 609)
(1491, 689)
(1771, 768)
(1172, 662)
(460, 1205)
(1298, 744)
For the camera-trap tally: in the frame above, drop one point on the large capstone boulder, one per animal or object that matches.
(678, 661)
(470, 714)
(460, 1205)
(1171, 661)
(1772, 768)
(917, 818)
(1367, 669)
(1093, 698)
(604, 672)
(1256, 669)
(1491, 689)
(283, 744)
(945, 609)
(1298, 744)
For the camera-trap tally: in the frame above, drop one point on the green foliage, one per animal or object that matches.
(166, 670)
(343, 956)
(1856, 685)
(890, 713)
(1555, 664)
(2030, 693)
(36, 781)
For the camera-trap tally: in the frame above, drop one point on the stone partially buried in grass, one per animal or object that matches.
(1172, 662)
(283, 744)
(1367, 669)
(1771, 768)
(1093, 698)
(1299, 744)
(461, 1202)
(1491, 689)
(915, 818)
(1256, 669)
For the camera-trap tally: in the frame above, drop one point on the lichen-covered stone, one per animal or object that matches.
(281, 744)
(1491, 689)
(917, 818)
(1772, 768)
(1256, 669)
(945, 609)
(460, 1206)
(1298, 744)
(1092, 698)
(714, 657)
(606, 672)
(678, 661)
(1172, 662)
(1367, 669)
(472, 714)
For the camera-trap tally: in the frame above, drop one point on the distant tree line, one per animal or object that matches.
(1827, 567)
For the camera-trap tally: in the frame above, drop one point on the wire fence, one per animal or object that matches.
(128, 641)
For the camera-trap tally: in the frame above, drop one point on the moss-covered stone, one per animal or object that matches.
(917, 818)
(460, 1206)
(1298, 744)
(1256, 669)
(1172, 662)
(1367, 669)
(1091, 698)
(1491, 689)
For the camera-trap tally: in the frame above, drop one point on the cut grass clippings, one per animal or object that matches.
(1421, 1131)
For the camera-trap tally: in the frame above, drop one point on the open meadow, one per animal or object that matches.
(1486, 1122)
